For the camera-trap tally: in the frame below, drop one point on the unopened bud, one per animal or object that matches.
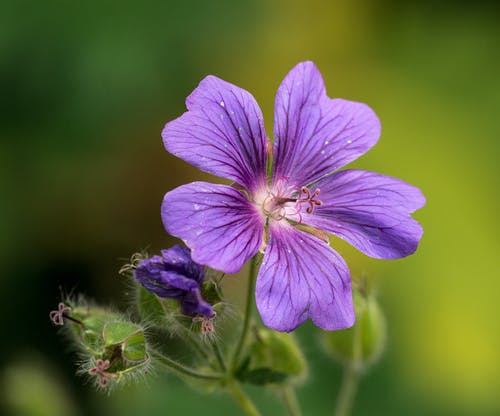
(275, 357)
(114, 347)
(173, 275)
(364, 342)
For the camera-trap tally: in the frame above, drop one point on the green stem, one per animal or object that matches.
(248, 313)
(290, 401)
(194, 341)
(348, 390)
(350, 378)
(243, 400)
(219, 356)
(181, 368)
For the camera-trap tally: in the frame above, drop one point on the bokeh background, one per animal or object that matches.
(86, 88)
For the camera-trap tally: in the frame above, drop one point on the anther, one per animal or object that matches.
(310, 199)
(207, 325)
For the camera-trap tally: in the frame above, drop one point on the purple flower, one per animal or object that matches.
(301, 276)
(175, 275)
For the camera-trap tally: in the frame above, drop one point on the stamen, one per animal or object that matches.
(277, 203)
(57, 317)
(207, 325)
(310, 199)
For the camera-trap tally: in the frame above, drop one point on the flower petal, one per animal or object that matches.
(316, 135)
(150, 275)
(220, 225)
(193, 303)
(178, 258)
(370, 211)
(222, 133)
(302, 277)
(178, 281)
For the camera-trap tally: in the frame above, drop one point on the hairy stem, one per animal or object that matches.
(348, 389)
(181, 368)
(219, 356)
(350, 378)
(248, 313)
(195, 343)
(290, 400)
(243, 400)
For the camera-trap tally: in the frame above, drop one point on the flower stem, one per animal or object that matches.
(350, 378)
(348, 389)
(248, 313)
(243, 400)
(219, 356)
(290, 400)
(195, 343)
(181, 368)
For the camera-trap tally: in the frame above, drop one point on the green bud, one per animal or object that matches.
(364, 342)
(114, 348)
(274, 357)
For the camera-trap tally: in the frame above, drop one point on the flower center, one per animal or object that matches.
(277, 206)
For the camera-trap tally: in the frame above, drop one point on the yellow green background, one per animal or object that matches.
(86, 88)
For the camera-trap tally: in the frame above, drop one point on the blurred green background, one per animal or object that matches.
(86, 88)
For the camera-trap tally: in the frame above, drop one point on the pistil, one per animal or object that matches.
(275, 206)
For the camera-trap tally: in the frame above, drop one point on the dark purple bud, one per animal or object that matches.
(175, 275)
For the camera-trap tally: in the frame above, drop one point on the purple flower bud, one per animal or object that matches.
(175, 275)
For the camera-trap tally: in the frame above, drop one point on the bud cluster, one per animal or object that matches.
(112, 348)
